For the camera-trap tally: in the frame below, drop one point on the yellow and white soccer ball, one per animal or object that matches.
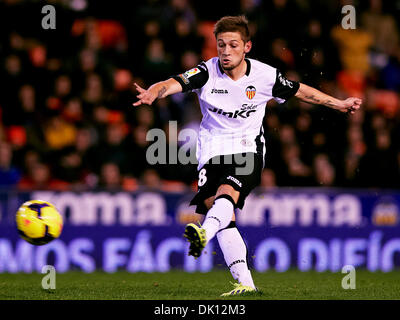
(38, 222)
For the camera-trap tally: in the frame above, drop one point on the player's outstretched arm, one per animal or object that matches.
(158, 90)
(312, 95)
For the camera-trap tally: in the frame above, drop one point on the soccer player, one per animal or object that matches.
(233, 92)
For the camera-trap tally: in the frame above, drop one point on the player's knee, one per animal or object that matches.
(226, 189)
(209, 202)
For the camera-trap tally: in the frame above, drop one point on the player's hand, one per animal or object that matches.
(144, 96)
(351, 105)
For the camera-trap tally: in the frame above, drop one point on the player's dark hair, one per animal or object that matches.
(233, 24)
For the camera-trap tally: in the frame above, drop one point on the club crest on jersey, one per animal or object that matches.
(250, 92)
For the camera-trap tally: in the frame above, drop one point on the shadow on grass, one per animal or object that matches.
(49, 291)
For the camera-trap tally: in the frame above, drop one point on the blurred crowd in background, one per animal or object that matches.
(66, 115)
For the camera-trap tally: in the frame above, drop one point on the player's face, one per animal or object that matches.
(231, 49)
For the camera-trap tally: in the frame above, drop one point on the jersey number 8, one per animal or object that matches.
(202, 177)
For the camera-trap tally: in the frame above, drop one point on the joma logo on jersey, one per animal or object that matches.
(238, 113)
(250, 92)
(219, 91)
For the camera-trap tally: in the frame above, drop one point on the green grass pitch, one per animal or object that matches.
(179, 285)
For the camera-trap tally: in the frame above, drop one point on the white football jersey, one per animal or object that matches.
(233, 111)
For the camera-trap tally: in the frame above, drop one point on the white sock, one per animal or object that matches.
(218, 217)
(235, 255)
